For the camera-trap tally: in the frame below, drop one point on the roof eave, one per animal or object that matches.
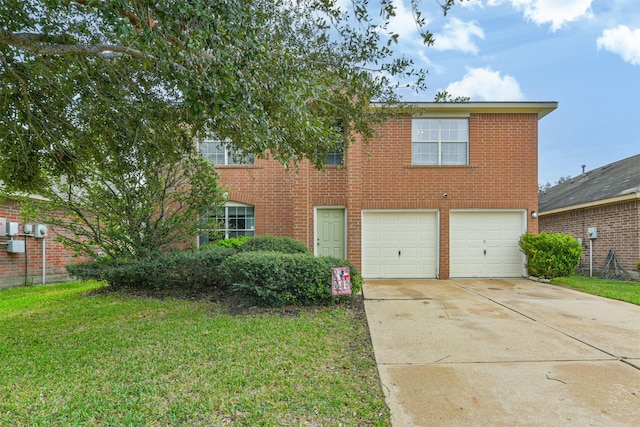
(541, 108)
(602, 202)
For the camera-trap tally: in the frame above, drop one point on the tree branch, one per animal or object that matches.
(41, 44)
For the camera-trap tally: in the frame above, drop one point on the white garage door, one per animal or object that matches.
(485, 243)
(399, 245)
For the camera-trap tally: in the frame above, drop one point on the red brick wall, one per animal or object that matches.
(12, 266)
(618, 228)
(502, 174)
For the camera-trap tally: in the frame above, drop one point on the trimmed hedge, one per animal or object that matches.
(187, 270)
(551, 255)
(276, 244)
(273, 279)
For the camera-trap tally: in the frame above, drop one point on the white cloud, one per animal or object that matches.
(483, 84)
(555, 12)
(623, 41)
(457, 35)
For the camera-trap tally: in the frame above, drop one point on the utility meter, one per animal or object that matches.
(41, 231)
(592, 232)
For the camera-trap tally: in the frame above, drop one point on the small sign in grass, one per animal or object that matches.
(75, 357)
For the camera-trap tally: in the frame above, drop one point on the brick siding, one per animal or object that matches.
(618, 228)
(502, 174)
(14, 266)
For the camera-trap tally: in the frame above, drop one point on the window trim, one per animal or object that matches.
(440, 142)
(225, 230)
(249, 160)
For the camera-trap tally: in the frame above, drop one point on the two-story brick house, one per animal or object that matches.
(444, 192)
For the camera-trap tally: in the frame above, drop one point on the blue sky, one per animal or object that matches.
(584, 54)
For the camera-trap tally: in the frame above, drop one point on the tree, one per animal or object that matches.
(132, 199)
(270, 76)
(546, 186)
(444, 96)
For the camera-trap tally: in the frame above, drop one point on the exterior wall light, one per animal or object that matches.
(534, 214)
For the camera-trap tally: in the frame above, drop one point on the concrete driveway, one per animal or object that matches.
(509, 352)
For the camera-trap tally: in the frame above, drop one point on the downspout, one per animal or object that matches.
(44, 260)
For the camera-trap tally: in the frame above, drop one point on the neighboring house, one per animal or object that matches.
(607, 198)
(41, 259)
(445, 192)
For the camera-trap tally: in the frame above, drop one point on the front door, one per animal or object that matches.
(330, 232)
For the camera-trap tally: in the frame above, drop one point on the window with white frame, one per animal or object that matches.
(233, 220)
(217, 152)
(440, 141)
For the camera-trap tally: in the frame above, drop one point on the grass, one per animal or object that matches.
(71, 355)
(615, 289)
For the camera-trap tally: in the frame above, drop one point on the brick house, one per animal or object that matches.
(607, 198)
(42, 258)
(444, 192)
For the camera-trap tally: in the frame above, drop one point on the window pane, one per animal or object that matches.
(425, 153)
(336, 156)
(454, 130)
(454, 153)
(235, 158)
(213, 151)
(425, 130)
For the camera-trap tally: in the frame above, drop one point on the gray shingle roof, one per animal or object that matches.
(613, 180)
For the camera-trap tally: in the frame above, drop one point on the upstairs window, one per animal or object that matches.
(336, 156)
(217, 152)
(440, 141)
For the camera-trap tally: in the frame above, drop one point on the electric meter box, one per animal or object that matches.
(592, 232)
(13, 228)
(40, 231)
(15, 246)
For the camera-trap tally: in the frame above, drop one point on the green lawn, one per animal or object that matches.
(614, 289)
(73, 356)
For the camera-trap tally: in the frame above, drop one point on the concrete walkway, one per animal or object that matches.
(508, 352)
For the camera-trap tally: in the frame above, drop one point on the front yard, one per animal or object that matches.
(74, 355)
(614, 289)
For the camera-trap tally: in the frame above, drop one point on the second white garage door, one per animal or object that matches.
(399, 245)
(485, 243)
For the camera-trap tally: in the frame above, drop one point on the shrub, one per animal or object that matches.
(179, 269)
(550, 255)
(274, 279)
(234, 242)
(276, 244)
(90, 270)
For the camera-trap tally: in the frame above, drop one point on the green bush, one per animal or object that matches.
(276, 244)
(550, 255)
(234, 242)
(179, 269)
(274, 279)
(90, 270)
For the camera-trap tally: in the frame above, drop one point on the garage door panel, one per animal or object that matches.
(406, 244)
(485, 244)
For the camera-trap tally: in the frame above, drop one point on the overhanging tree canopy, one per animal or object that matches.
(268, 75)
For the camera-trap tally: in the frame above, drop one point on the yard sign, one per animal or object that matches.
(341, 281)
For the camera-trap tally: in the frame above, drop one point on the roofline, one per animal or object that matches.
(541, 108)
(609, 201)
